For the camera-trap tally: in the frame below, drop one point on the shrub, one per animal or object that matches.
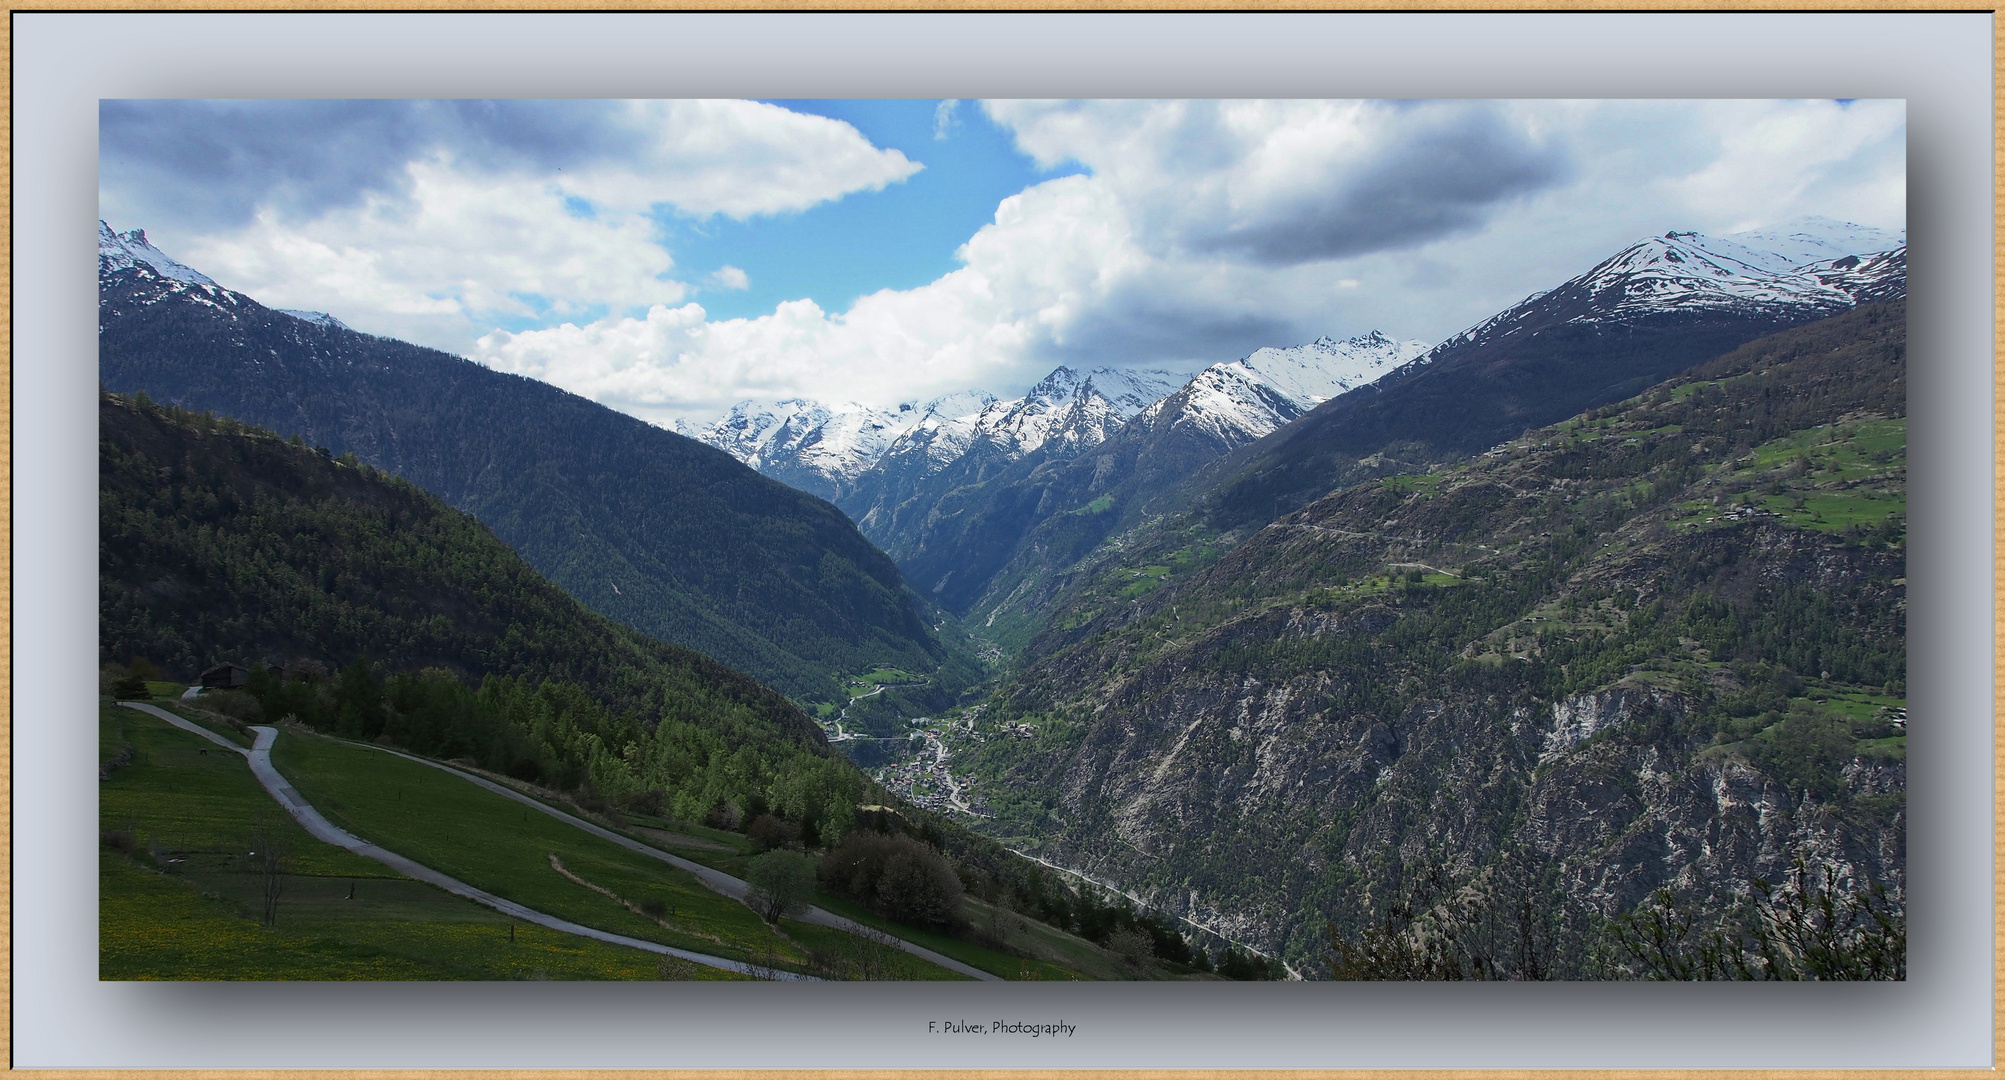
(895, 876)
(724, 815)
(131, 687)
(1132, 948)
(235, 704)
(651, 802)
(769, 832)
(780, 884)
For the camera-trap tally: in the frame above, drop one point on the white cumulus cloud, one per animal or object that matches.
(728, 277)
(1198, 232)
(456, 237)
(1204, 230)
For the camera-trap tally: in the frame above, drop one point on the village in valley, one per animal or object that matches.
(918, 768)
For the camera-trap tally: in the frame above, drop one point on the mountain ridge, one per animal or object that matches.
(1641, 315)
(665, 534)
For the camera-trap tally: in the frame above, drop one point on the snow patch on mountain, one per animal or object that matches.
(1809, 267)
(317, 318)
(1245, 399)
(1073, 410)
(1881, 276)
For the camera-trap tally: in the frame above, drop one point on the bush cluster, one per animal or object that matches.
(896, 876)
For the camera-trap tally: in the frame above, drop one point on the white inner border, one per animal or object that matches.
(63, 63)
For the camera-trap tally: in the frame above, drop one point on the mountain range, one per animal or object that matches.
(989, 510)
(832, 450)
(1594, 605)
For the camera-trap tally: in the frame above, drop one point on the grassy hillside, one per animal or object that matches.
(180, 897)
(514, 852)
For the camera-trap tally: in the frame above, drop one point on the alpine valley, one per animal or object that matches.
(1571, 646)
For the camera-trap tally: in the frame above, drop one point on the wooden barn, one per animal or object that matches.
(226, 677)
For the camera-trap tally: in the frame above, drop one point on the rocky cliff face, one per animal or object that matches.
(1650, 648)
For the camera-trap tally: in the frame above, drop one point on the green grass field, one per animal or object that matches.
(491, 843)
(505, 848)
(184, 810)
(1834, 512)
(178, 898)
(1413, 483)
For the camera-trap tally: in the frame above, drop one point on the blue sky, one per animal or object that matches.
(669, 258)
(898, 238)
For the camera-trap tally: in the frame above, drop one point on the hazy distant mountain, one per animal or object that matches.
(818, 448)
(1044, 478)
(1237, 402)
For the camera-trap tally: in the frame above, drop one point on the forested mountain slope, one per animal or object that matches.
(654, 530)
(374, 611)
(1660, 645)
(221, 542)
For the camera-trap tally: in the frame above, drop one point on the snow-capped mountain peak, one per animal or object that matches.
(117, 251)
(1311, 374)
(820, 447)
(960, 405)
(1074, 410)
(946, 427)
(1807, 268)
(121, 251)
(317, 318)
(1793, 244)
(1241, 400)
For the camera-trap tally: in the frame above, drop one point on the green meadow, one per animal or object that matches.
(180, 896)
(505, 848)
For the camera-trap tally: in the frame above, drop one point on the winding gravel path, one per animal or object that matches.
(259, 756)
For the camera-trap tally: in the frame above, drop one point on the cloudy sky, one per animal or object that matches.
(669, 258)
